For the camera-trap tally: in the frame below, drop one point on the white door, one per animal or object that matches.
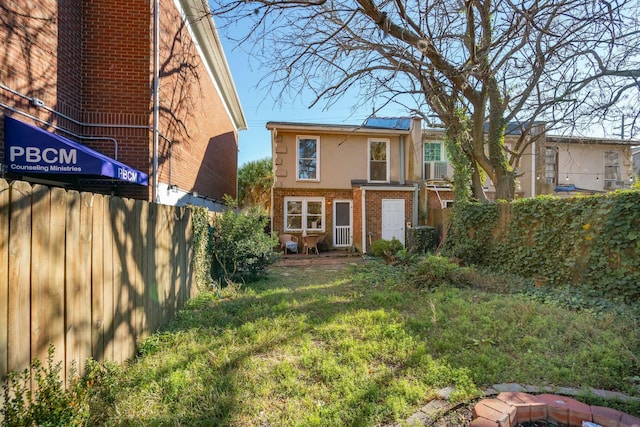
(342, 220)
(393, 219)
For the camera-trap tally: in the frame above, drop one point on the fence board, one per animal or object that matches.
(139, 267)
(108, 284)
(84, 284)
(58, 212)
(144, 268)
(121, 291)
(18, 339)
(88, 273)
(73, 281)
(4, 275)
(97, 275)
(41, 246)
(131, 230)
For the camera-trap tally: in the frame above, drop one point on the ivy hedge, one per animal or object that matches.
(202, 248)
(591, 241)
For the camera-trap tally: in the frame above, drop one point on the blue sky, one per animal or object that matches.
(259, 107)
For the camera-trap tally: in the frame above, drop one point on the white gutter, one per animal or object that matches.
(311, 127)
(156, 101)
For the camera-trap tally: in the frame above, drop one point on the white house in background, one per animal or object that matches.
(635, 153)
(551, 164)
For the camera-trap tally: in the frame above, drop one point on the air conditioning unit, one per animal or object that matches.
(436, 170)
(613, 185)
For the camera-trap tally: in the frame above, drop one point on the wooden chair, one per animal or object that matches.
(288, 242)
(310, 243)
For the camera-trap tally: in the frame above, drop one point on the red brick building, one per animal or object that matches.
(147, 87)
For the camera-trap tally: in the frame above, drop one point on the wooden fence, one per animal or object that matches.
(90, 274)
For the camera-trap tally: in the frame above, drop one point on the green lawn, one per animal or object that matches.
(356, 346)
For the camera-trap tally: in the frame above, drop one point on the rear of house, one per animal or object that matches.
(348, 184)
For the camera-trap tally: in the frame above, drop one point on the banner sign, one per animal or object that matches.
(29, 150)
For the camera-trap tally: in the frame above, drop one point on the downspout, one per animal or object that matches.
(364, 221)
(156, 102)
(402, 166)
(416, 195)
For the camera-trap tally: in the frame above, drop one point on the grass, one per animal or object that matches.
(359, 347)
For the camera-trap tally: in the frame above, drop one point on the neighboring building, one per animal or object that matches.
(82, 73)
(348, 183)
(358, 184)
(635, 153)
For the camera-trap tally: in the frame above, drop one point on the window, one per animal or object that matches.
(435, 164)
(550, 165)
(378, 160)
(308, 152)
(304, 214)
(612, 170)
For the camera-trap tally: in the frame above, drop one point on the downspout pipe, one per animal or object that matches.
(364, 220)
(416, 195)
(156, 102)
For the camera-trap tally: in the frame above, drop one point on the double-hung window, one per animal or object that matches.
(378, 160)
(304, 214)
(550, 165)
(612, 170)
(308, 158)
(435, 164)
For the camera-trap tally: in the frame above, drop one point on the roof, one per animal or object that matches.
(397, 126)
(589, 140)
(203, 29)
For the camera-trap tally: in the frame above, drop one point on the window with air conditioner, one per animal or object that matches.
(435, 161)
(612, 170)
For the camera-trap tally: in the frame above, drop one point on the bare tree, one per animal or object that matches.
(477, 64)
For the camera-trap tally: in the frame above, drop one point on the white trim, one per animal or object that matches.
(333, 226)
(387, 188)
(317, 139)
(387, 160)
(303, 222)
(202, 29)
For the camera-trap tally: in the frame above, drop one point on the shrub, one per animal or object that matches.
(240, 246)
(422, 239)
(434, 270)
(386, 249)
(50, 404)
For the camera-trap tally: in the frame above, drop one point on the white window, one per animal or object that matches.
(435, 161)
(378, 160)
(304, 214)
(550, 165)
(308, 158)
(612, 170)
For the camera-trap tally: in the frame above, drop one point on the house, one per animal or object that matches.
(357, 184)
(118, 97)
(347, 183)
(550, 164)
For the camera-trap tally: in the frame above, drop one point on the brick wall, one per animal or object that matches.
(329, 194)
(92, 60)
(374, 210)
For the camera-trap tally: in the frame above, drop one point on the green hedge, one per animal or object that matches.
(202, 251)
(589, 241)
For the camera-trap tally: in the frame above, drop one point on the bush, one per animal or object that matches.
(434, 270)
(50, 404)
(422, 239)
(386, 249)
(240, 246)
(202, 253)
